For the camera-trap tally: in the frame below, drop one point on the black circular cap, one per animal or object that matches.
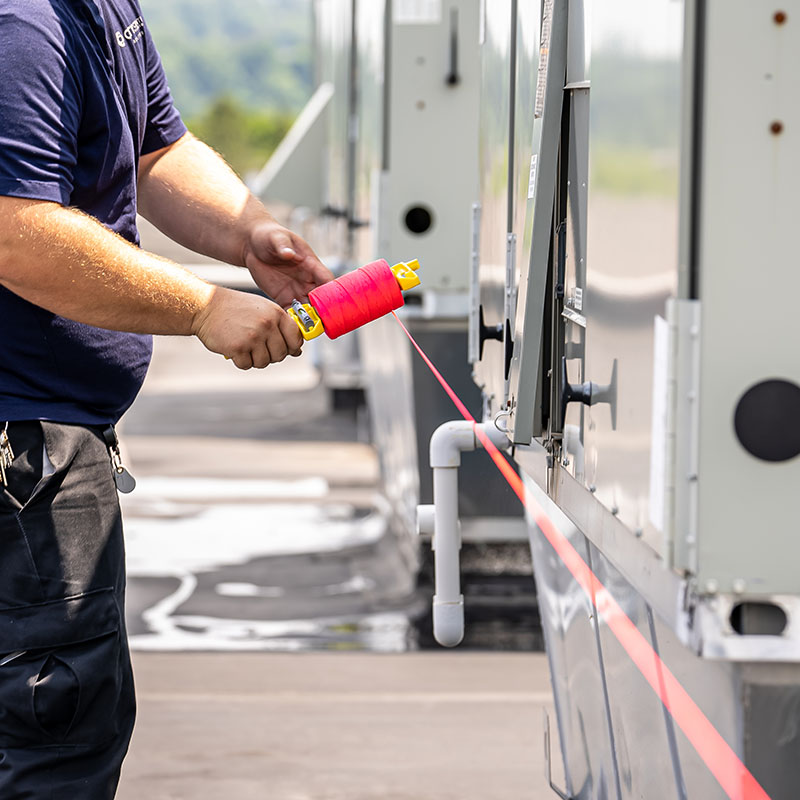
(767, 420)
(418, 219)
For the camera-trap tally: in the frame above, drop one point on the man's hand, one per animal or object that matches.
(282, 263)
(250, 330)
(190, 193)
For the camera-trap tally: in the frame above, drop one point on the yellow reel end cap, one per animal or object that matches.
(406, 275)
(316, 328)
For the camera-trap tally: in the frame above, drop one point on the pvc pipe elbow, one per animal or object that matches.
(449, 440)
(497, 437)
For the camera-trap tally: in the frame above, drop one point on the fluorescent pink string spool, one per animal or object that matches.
(357, 298)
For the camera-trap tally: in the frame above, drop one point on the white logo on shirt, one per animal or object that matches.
(132, 33)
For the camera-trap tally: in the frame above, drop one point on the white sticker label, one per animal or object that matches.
(658, 441)
(532, 176)
(578, 299)
(416, 12)
(544, 58)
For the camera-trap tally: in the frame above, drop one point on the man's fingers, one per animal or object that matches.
(261, 356)
(250, 330)
(283, 246)
(291, 335)
(277, 347)
(242, 360)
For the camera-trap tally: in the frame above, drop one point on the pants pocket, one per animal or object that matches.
(63, 673)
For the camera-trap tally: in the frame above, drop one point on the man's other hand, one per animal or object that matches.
(250, 330)
(282, 263)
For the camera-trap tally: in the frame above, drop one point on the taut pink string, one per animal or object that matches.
(736, 780)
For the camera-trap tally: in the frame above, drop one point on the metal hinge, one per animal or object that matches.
(682, 434)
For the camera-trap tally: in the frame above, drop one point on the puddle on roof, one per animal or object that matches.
(213, 567)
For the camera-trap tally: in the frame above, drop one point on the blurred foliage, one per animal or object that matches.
(257, 52)
(244, 137)
(635, 124)
(639, 102)
(634, 171)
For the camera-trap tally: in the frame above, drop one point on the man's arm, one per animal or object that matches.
(190, 193)
(70, 264)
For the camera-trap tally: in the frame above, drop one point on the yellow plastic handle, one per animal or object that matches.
(316, 328)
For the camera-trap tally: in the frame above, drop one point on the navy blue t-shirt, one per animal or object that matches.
(82, 96)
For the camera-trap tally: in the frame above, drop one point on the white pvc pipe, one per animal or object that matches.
(449, 440)
(448, 602)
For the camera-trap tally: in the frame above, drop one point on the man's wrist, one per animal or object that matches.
(203, 302)
(254, 217)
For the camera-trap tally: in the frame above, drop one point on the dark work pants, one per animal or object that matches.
(67, 703)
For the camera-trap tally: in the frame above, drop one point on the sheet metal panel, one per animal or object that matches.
(569, 627)
(628, 748)
(654, 758)
(333, 20)
(529, 377)
(494, 158)
(529, 15)
(433, 144)
(366, 126)
(748, 284)
(632, 237)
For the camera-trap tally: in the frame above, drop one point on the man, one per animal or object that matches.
(88, 137)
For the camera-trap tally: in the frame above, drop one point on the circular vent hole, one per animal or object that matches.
(418, 219)
(767, 421)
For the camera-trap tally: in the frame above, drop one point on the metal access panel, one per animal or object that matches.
(493, 222)
(632, 243)
(747, 280)
(511, 51)
(430, 176)
(333, 34)
(367, 125)
(526, 368)
(417, 199)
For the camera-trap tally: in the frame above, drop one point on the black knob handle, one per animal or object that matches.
(589, 393)
(488, 332)
(333, 211)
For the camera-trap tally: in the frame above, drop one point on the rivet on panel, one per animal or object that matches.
(776, 127)
(711, 586)
(739, 586)
(779, 17)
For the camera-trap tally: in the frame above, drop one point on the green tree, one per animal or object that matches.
(244, 137)
(257, 51)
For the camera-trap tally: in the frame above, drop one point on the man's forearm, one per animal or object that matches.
(190, 193)
(68, 263)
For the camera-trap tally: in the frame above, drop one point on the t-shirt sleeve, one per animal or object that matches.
(40, 104)
(164, 124)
